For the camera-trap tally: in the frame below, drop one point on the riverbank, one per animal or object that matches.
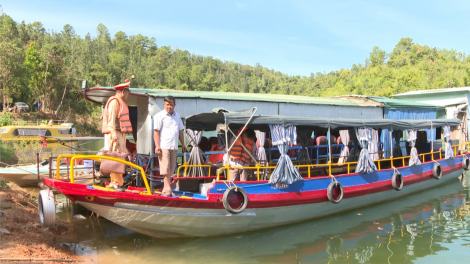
(21, 233)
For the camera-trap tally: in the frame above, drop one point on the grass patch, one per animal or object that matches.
(3, 184)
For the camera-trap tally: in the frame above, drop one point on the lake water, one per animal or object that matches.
(427, 227)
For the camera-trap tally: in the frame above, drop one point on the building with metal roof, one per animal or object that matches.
(192, 102)
(455, 101)
(449, 97)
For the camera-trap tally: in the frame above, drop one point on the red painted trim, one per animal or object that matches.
(79, 191)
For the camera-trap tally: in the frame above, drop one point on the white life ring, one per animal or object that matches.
(46, 208)
(335, 184)
(465, 162)
(437, 171)
(226, 204)
(397, 180)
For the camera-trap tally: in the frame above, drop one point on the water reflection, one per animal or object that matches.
(402, 231)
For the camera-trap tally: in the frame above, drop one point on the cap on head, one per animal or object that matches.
(121, 86)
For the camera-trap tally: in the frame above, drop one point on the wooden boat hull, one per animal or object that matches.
(268, 205)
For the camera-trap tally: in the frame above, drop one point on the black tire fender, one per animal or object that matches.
(437, 171)
(46, 208)
(397, 177)
(465, 162)
(329, 192)
(226, 203)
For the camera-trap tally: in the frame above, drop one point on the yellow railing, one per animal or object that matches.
(186, 166)
(257, 167)
(348, 164)
(100, 158)
(58, 162)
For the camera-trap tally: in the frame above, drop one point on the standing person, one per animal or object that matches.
(168, 127)
(119, 125)
(238, 155)
(43, 144)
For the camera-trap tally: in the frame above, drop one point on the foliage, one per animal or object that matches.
(18, 152)
(7, 154)
(46, 67)
(3, 184)
(6, 119)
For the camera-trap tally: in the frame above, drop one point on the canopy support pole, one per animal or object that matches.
(391, 147)
(329, 150)
(227, 156)
(184, 144)
(246, 124)
(432, 143)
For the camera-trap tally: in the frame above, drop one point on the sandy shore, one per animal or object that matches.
(21, 234)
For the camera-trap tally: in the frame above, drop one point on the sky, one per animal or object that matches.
(293, 37)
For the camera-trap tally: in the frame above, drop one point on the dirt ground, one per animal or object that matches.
(26, 238)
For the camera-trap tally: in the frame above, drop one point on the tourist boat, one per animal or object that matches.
(209, 205)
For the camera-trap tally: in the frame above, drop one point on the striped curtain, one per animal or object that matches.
(344, 134)
(449, 154)
(195, 157)
(285, 172)
(261, 137)
(365, 164)
(373, 146)
(414, 158)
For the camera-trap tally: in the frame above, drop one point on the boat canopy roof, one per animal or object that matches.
(209, 121)
(100, 95)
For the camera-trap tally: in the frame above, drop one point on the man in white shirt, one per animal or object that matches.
(168, 127)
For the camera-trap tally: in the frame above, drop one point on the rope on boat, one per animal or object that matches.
(334, 179)
(231, 184)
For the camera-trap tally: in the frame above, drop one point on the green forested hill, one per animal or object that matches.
(36, 64)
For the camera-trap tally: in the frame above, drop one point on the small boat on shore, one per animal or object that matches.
(280, 193)
(27, 175)
(35, 131)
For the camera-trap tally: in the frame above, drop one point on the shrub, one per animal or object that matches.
(6, 119)
(23, 150)
(3, 184)
(8, 154)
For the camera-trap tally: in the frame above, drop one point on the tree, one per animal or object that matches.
(377, 57)
(70, 42)
(10, 56)
(33, 62)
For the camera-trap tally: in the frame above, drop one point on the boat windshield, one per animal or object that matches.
(3, 130)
